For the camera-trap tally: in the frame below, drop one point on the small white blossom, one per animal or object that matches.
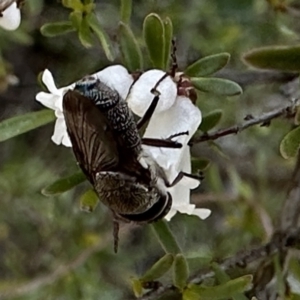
(53, 100)
(181, 194)
(11, 17)
(116, 77)
(140, 96)
(176, 114)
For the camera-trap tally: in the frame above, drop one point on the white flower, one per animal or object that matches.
(54, 100)
(176, 114)
(181, 194)
(140, 96)
(11, 17)
(116, 77)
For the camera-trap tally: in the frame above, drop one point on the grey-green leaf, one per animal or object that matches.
(20, 124)
(58, 28)
(73, 4)
(180, 271)
(130, 48)
(64, 184)
(279, 58)
(89, 201)
(208, 65)
(159, 268)
(102, 36)
(84, 33)
(222, 291)
(217, 86)
(210, 120)
(168, 41)
(76, 19)
(154, 36)
(166, 237)
(125, 11)
(290, 144)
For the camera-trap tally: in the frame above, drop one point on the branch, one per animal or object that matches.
(279, 242)
(263, 120)
(290, 211)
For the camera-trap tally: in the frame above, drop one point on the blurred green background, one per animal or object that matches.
(49, 248)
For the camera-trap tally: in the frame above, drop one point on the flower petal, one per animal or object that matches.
(46, 99)
(202, 213)
(49, 82)
(66, 140)
(140, 96)
(60, 131)
(117, 78)
(181, 117)
(11, 18)
(171, 214)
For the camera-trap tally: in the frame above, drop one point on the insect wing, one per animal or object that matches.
(93, 141)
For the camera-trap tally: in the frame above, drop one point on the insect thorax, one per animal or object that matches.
(114, 107)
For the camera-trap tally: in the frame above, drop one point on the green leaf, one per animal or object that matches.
(20, 124)
(102, 36)
(223, 291)
(84, 33)
(222, 277)
(130, 49)
(199, 164)
(64, 184)
(76, 19)
(211, 120)
(290, 144)
(217, 86)
(180, 272)
(126, 8)
(297, 116)
(166, 237)
(87, 2)
(168, 41)
(275, 58)
(208, 65)
(137, 287)
(89, 201)
(161, 267)
(154, 36)
(58, 28)
(73, 4)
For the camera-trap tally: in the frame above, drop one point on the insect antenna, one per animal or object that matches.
(174, 67)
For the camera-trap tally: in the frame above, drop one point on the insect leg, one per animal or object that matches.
(180, 175)
(161, 143)
(116, 227)
(177, 134)
(149, 112)
(164, 143)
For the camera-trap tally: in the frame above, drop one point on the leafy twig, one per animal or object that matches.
(279, 242)
(263, 120)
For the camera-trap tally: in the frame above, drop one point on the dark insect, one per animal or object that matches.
(108, 149)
